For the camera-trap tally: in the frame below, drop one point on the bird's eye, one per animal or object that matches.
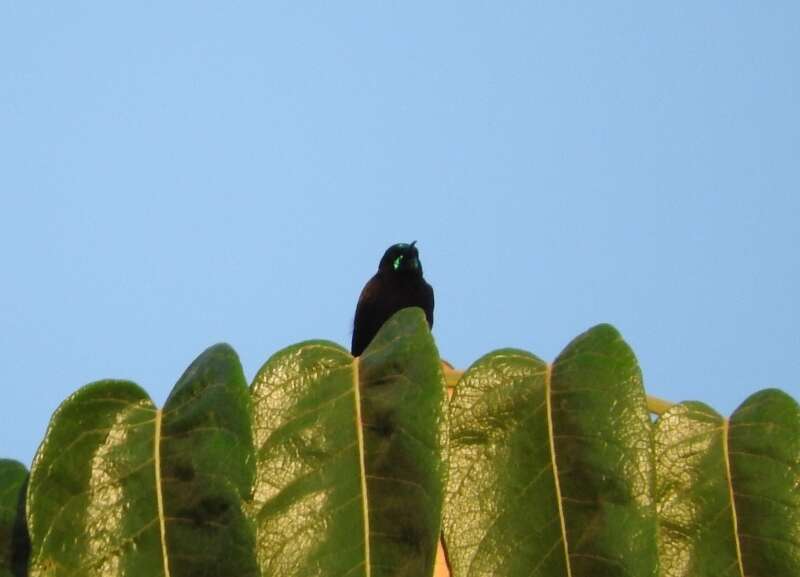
(397, 261)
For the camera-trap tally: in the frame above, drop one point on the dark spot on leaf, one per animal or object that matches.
(207, 511)
(383, 425)
(213, 507)
(410, 536)
(184, 472)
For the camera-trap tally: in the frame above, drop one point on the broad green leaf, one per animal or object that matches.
(551, 468)
(349, 456)
(14, 544)
(119, 488)
(693, 492)
(604, 452)
(502, 515)
(728, 495)
(764, 449)
(91, 501)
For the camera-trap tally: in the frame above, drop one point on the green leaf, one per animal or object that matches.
(91, 505)
(552, 470)
(14, 543)
(693, 492)
(349, 456)
(333, 466)
(764, 449)
(728, 491)
(120, 489)
(502, 507)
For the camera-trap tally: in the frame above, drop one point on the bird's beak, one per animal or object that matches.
(415, 261)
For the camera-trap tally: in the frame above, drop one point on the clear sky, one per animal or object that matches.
(175, 174)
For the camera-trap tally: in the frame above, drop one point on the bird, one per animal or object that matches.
(397, 284)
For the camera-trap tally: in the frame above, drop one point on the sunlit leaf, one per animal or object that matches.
(119, 488)
(502, 515)
(729, 491)
(764, 449)
(697, 535)
(349, 456)
(552, 467)
(331, 466)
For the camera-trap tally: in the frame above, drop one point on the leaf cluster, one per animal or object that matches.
(329, 465)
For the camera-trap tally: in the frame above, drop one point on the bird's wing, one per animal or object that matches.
(367, 319)
(429, 304)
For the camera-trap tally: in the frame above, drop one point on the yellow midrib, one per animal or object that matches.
(551, 438)
(362, 466)
(729, 479)
(160, 492)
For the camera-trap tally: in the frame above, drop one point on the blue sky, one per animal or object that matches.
(179, 174)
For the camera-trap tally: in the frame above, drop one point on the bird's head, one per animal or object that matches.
(401, 259)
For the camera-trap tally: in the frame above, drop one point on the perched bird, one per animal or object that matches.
(397, 284)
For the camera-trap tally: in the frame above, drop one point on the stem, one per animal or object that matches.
(658, 406)
(451, 377)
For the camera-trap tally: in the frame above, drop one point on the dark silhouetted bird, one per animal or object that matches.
(397, 284)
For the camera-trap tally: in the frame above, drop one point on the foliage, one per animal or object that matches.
(334, 466)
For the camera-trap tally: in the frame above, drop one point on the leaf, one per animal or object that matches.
(764, 449)
(693, 491)
(91, 504)
(14, 543)
(349, 456)
(502, 507)
(119, 488)
(207, 469)
(728, 491)
(551, 468)
(336, 468)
